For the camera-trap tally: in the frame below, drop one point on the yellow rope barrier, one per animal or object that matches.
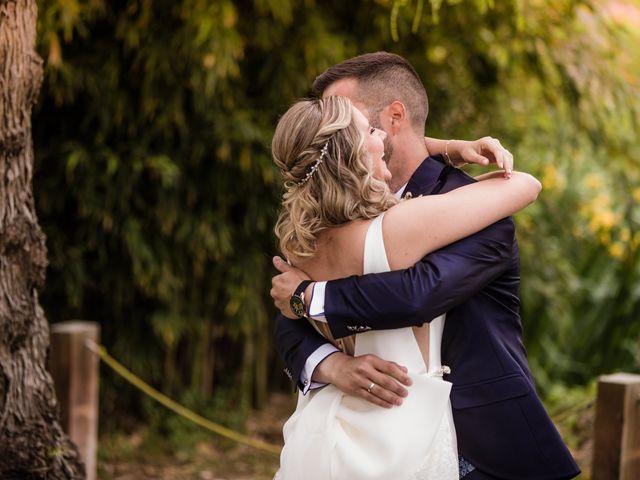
(137, 382)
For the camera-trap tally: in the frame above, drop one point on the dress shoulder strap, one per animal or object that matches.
(375, 256)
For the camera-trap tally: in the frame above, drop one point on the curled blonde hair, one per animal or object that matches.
(340, 190)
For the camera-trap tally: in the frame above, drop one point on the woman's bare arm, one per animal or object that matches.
(416, 227)
(484, 151)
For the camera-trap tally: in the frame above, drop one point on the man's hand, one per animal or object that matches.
(283, 285)
(367, 376)
(483, 151)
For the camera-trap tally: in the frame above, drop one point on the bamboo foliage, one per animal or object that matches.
(156, 189)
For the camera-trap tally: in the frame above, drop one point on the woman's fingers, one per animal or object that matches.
(508, 167)
(496, 153)
(493, 147)
(474, 157)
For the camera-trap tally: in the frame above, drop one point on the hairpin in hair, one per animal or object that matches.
(315, 165)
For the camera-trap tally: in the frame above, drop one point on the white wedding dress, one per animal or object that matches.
(333, 436)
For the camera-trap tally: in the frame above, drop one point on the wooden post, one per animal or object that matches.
(616, 450)
(75, 371)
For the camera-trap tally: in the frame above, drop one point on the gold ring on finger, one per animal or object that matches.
(371, 387)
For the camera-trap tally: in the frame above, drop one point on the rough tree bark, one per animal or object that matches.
(32, 443)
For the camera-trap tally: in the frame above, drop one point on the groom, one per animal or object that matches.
(502, 428)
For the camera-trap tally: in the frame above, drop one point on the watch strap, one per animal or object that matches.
(302, 287)
(296, 302)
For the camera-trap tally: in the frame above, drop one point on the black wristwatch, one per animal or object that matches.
(296, 302)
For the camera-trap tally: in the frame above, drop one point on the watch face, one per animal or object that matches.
(297, 305)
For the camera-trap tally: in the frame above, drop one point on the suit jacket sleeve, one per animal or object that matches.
(295, 341)
(442, 280)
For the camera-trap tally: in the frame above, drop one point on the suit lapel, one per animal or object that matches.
(427, 178)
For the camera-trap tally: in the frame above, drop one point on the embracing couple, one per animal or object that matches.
(407, 345)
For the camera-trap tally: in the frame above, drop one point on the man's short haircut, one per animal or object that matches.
(382, 78)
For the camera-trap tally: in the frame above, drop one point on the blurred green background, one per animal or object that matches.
(155, 187)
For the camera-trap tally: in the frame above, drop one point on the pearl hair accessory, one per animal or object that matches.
(315, 166)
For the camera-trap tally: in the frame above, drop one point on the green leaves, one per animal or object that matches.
(156, 189)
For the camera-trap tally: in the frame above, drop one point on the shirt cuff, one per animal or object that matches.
(322, 352)
(316, 307)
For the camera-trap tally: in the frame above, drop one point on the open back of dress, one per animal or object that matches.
(332, 436)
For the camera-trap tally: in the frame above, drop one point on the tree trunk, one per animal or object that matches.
(32, 443)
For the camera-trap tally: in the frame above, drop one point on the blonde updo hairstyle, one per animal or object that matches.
(340, 190)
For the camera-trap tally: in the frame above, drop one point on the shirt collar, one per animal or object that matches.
(400, 192)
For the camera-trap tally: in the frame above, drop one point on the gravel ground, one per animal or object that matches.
(125, 458)
(122, 458)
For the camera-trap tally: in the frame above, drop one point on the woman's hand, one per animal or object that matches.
(484, 151)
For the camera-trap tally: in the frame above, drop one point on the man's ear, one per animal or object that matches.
(394, 117)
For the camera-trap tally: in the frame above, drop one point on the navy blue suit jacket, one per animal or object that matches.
(501, 425)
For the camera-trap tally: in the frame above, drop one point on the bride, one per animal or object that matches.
(339, 218)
